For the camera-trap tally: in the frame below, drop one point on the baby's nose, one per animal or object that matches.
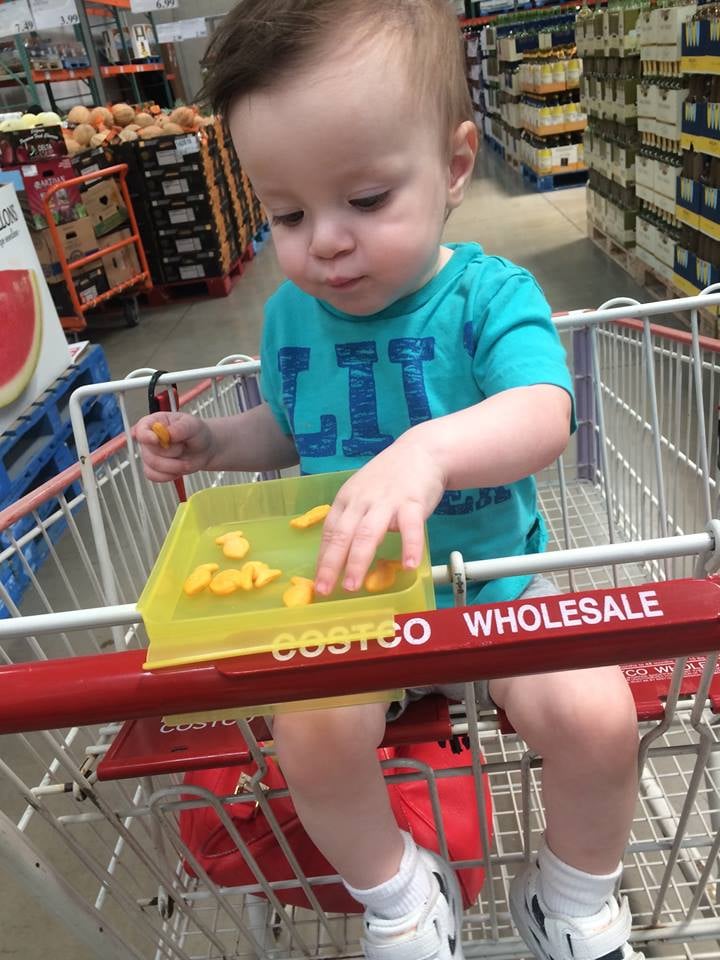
(330, 239)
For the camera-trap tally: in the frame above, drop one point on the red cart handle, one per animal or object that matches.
(568, 631)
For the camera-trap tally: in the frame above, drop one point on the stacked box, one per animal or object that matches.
(197, 213)
(185, 206)
(249, 215)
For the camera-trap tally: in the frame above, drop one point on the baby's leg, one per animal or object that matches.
(584, 725)
(413, 904)
(330, 763)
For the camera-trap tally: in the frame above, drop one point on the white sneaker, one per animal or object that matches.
(432, 932)
(552, 936)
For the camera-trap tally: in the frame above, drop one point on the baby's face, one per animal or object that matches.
(353, 171)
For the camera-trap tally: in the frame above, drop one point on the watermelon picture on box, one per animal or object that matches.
(21, 328)
(33, 349)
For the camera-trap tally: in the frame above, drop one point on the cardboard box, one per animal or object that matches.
(78, 239)
(665, 180)
(45, 250)
(105, 206)
(18, 147)
(66, 204)
(123, 264)
(88, 286)
(665, 249)
(17, 254)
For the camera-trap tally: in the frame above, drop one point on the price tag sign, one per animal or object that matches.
(181, 30)
(54, 13)
(15, 17)
(150, 6)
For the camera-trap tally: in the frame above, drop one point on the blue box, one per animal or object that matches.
(684, 265)
(689, 194)
(705, 274)
(695, 38)
(710, 204)
(694, 120)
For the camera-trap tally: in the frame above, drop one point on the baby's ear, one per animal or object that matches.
(463, 149)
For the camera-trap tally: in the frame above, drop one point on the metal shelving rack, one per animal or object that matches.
(95, 74)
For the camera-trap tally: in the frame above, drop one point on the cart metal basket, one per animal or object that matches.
(631, 507)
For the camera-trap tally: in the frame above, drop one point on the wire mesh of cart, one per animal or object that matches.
(630, 507)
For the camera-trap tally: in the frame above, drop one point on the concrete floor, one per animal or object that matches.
(543, 232)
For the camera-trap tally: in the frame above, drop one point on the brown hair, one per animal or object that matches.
(262, 42)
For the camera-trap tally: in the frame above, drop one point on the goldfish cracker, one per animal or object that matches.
(382, 576)
(249, 572)
(235, 548)
(309, 519)
(233, 543)
(223, 538)
(300, 594)
(162, 433)
(265, 577)
(199, 579)
(225, 582)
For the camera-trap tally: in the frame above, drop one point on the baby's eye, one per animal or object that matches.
(371, 203)
(288, 219)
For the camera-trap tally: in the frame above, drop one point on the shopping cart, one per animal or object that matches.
(127, 290)
(90, 791)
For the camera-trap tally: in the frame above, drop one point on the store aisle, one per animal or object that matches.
(544, 232)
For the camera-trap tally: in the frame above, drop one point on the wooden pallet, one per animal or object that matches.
(553, 181)
(622, 255)
(659, 287)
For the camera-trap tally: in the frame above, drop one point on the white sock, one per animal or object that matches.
(572, 892)
(406, 891)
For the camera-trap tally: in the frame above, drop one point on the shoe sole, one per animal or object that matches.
(444, 868)
(524, 928)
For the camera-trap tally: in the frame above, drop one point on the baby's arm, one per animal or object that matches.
(507, 437)
(247, 441)
(511, 435)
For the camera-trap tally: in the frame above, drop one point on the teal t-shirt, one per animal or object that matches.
(345, 387)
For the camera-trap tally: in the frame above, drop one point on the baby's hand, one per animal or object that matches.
(397, 490)
(187, 445)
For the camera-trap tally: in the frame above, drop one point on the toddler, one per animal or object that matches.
(434, 370)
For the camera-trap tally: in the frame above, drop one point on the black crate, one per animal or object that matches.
(195, 266)
(87, 285)
(193, 210)
(90, 161)
(187, 179)
(185, 241)
(169, 152)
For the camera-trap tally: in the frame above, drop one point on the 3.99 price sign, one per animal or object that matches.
(54, 13)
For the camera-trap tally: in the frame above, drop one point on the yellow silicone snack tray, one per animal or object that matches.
(184, 629)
